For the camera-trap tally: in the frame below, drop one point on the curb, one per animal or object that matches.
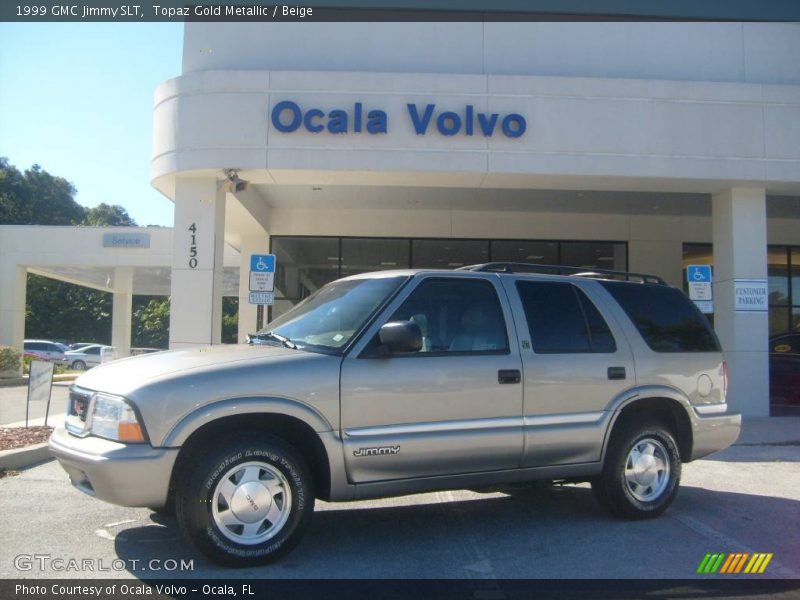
(18, 381)
(13, 382)
(22, 458)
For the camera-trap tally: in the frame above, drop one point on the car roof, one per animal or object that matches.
(492, 269)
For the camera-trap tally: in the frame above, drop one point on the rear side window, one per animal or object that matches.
(562, 320)
(665, 317)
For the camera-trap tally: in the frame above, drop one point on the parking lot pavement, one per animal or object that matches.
(13, 400)
(746, 499)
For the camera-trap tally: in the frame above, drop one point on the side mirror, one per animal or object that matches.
(400, 337)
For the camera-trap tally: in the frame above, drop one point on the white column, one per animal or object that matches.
(739, 221)
(122, 311)
(197, 268)
(13, 283)
(247, 312)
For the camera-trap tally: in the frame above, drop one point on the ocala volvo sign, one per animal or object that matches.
(288, 116)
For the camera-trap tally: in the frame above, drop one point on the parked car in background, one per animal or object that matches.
(784, 374)
(79, 345)
(139, 351)
(45, 350)
(88, 356)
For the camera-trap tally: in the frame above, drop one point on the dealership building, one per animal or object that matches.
(350, 147)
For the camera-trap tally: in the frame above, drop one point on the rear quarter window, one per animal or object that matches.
(665, 317)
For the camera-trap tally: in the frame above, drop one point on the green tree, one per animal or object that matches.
(150, 322)
(57, 310)
(230, 319)
(36, 197)
(108, 215)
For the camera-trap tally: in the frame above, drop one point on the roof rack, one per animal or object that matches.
(520, 267)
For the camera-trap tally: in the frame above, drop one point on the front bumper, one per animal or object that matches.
(123, 474)
(714, 433)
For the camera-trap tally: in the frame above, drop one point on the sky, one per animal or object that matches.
(77, 99)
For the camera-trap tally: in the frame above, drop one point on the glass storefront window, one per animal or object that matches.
(362, 255)
(545, 253)
(778, 319)
(598, 255)
(778, 275)
(783, 273)
(448, 254)
(303, 265)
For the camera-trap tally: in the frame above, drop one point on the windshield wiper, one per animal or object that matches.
(271, 335)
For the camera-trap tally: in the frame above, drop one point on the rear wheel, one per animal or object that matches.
(641, 473)
(247, 502)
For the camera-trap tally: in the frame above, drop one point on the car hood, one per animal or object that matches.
(125, 375)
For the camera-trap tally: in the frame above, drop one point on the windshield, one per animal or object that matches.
(331, 316)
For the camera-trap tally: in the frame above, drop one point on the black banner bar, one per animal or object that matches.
(369, 589)
(33, 11)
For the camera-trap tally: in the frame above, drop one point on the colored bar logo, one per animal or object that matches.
(734, 562)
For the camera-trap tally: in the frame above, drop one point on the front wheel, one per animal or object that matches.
(78, 365)
(247, 502)
(641, 472)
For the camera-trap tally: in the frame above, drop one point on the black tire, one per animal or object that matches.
(78, 365)
(195, 504)
(650, 494)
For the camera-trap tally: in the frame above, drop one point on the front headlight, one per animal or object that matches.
(115, 419)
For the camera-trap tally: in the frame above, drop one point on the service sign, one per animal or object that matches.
(126, 240)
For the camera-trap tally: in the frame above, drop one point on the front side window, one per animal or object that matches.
(456, 316)
(562, 320)
(329, 318)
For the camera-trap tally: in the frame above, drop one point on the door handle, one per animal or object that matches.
(616, 373)
(509, 376)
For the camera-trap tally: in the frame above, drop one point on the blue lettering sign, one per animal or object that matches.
(279, 109)
(420, 124)
(288, 116)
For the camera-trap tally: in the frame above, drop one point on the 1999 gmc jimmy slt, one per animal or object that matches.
(400, 382)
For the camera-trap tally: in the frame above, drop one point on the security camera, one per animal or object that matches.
(234, 183)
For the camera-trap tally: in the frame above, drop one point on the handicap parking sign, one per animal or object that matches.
(698, 273)
(262, 263)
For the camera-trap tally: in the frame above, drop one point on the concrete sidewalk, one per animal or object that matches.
(769, 431)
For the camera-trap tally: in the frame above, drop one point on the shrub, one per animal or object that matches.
(9, 358)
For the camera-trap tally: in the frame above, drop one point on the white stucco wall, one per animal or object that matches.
(734, 52)
(602, 134)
